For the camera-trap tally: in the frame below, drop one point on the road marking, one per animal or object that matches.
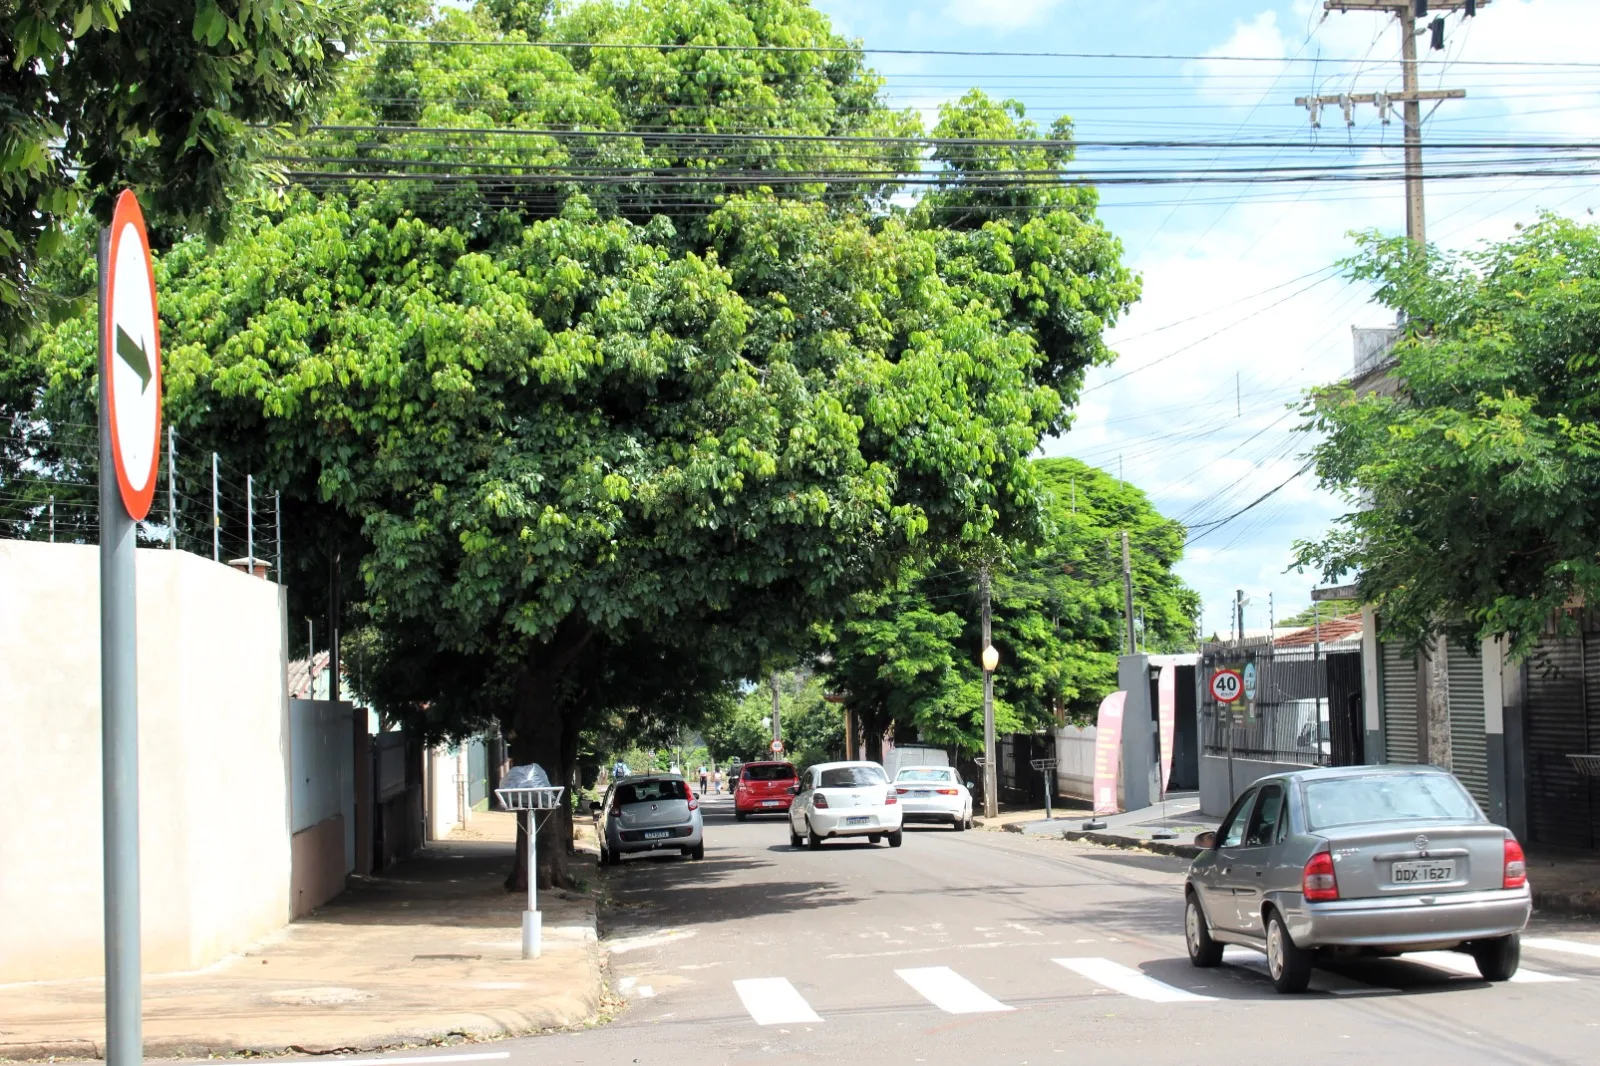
(1321, 980)
(480, 1057)
(1571, 947)
(949, 991)
(774, 1001)
(1463, 964)
(1129, 982)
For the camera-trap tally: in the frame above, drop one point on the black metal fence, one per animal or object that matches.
(1283, 713)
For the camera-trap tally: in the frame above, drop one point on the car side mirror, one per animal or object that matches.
(594, 807)
(971, 785)
(1206, 840)
(794, 790)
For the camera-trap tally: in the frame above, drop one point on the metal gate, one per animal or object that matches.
(1469, 749)
(1560, 809)
(1285, 722)
(1399, 686)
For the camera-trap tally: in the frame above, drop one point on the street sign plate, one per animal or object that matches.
(1249, 681)
(777, 747)
(131, 347)
(1226, 686)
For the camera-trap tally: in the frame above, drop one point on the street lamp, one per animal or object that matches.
(991, 787)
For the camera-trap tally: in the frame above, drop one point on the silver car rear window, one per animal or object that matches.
(1387, 798)
(851, 777)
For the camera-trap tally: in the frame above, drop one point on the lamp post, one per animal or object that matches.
(991, 788)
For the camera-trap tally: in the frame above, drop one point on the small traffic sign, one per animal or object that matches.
(1226, 685)
(1250, 681)
(777, 747)
(132, 353)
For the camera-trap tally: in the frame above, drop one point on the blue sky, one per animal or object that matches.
(1242, 308)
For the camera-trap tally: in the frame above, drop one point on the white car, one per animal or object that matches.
(844, 799)
(933, 794)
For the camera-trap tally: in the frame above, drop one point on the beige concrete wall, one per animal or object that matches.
(213, 759)
(319, 865)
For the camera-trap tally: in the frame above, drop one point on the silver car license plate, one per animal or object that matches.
(1425, 871)
(656, 834)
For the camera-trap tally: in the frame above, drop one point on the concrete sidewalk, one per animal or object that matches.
(429, 952)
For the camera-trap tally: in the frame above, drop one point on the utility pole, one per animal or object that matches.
(777, 720)
(991, 779)
(1410, 96)
(172, 487)
(1238, 614)
(1127, 594)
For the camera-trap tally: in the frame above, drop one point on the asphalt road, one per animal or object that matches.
(977, 948)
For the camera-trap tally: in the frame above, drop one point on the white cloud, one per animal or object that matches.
(998, 14)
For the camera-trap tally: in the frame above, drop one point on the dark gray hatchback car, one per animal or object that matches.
(1357, 860)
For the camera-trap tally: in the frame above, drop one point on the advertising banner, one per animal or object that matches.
(1108, 752)
(1166, 718)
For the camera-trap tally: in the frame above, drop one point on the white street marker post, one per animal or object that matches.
(530, 800)
(130, 452)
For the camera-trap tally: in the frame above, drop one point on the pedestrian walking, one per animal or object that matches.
(702, 780)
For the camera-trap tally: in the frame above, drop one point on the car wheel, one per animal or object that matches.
(813, 841)
(895, 837)
(698, 852)
(1288, 965)
(740, 815)
(1499, 958)
(794, 838)
(612, 858)
(1203, 951)
(960, 823)
(873, 838)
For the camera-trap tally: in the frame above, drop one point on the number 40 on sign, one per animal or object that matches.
(1226, 685)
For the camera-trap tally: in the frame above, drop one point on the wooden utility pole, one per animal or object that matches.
(1410, 97)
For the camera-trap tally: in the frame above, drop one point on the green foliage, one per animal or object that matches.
(813, 728)
(1325, 610)
(165, 96)
(910, 657)
(1476, 468)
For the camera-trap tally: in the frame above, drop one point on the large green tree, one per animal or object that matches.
(164, 96)
(592, 453)
(909, 657)
(1474, 471)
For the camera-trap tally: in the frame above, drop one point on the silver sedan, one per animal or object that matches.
(1352, 861)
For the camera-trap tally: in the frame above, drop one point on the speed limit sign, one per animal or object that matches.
(777, 747)
(1226, 686)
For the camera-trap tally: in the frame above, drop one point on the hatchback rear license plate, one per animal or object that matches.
(772, 803)
(858, 819)
(1424, 872)
(657, 834)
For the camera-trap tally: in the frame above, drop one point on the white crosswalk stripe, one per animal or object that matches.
(949, 991)
(1463, 964)
(774, 1001)
(1321, 980)
(1130, 982)
(1569, 947)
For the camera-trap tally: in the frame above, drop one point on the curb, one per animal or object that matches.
(1579, 903)
(1156, 847)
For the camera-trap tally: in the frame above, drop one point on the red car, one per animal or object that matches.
(763, 788)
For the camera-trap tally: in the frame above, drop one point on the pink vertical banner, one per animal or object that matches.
(1108, 752)
(1167, 718)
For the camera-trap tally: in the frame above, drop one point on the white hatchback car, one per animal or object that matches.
(843, 799)
(933, 794)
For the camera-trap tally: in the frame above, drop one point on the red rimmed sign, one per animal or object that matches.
(131, 348)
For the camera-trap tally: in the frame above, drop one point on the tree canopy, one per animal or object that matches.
(909, 657)
(1475, 474)
(165, 96)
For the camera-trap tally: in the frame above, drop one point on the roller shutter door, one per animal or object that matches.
(1399, 691)
(1558, 797)
(1469, 750)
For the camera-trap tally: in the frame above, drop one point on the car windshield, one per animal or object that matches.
(769, 773)
(851, 777)
(1387, 798)
(652, 791)
(923, 775)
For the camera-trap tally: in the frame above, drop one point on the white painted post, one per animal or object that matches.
(531, 932)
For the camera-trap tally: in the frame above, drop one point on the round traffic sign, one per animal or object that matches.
(1249, 681)
(131, 348)
(777, 747)
(1226, 685)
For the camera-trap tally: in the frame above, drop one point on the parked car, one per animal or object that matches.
(649, 813)
(934, 794)
(763, 788)
(1358, 860)
(841, 799)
